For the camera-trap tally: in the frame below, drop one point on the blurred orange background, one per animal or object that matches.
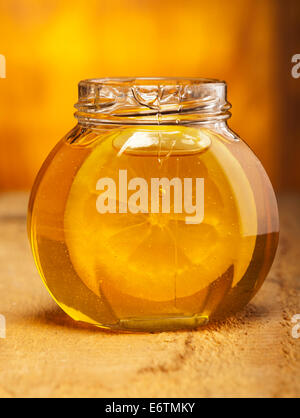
(51, 45)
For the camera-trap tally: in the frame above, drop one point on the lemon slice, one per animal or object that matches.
(158, 256)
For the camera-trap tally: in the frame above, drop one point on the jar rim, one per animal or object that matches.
(154, 100)
(151, 81)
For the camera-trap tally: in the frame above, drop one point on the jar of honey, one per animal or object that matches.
(151, 214)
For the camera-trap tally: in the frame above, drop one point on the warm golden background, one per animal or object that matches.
(51, 45)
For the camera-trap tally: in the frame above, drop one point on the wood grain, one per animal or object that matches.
(46, 354)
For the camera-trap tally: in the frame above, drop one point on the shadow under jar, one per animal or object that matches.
(151, 214)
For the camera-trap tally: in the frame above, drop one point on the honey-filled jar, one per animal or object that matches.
(151, 214)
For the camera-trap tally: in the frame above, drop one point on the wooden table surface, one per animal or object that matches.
(46, 354)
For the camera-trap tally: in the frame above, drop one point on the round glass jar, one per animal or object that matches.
(151, 214)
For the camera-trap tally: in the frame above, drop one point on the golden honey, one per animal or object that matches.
(143, 221)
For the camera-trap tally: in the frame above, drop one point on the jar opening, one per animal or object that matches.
(152, 100)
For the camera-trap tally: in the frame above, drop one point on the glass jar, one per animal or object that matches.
(151, 214)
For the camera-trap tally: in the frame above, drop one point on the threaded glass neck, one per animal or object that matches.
(152, 101)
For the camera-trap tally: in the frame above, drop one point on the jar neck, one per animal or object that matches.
(152, 101)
